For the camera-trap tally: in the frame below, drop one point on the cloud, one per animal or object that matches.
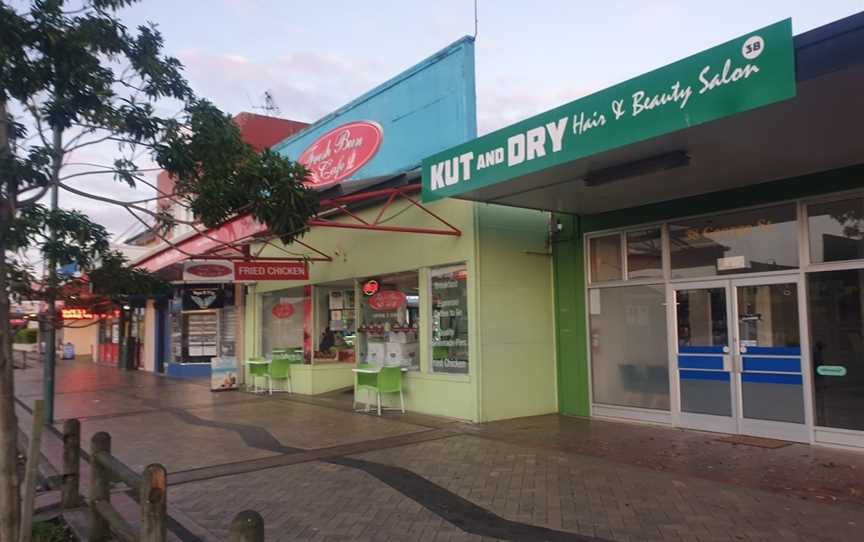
(503, 101)
(306, 85)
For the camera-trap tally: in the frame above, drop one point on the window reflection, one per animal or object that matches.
(644, 254)
(836, 308)
(628, 346)
(836, 230)
(605, 258)
(752, 241)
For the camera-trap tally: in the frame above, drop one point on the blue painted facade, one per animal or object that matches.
(423, 110)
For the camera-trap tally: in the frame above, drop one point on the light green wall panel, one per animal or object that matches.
(516, 326)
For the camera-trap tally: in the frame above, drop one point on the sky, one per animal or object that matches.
(530, 56)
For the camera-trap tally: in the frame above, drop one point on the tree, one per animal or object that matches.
(73, 78)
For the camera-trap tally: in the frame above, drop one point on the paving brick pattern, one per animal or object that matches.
(612, 501)
(317, 471)
(313, 501)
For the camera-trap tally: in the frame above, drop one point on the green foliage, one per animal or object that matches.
(219, 175)
(26, 336)
(52, 531)
(114, 280)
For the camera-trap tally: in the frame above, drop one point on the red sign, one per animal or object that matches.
(387, 300)
(76, 314)
(271, 271)
(370, 287)
(208, 270)
(283, 311)
(342, 151)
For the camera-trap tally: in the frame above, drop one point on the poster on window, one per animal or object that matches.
(450, 320)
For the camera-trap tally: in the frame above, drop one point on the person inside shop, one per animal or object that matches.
(328, 340)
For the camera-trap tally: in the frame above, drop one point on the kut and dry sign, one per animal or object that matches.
(754, 70)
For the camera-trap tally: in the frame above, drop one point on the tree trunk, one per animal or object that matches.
(10, 505)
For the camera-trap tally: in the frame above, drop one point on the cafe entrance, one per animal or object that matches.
(739, 362)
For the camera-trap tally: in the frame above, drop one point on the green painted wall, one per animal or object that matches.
(517, 329)
(571, 330)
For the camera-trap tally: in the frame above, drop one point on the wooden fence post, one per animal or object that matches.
(154, 504)
(70, 492)
(34, 454)
(100, 487)
(248, 526)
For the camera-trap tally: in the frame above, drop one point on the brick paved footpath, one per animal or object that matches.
(317, 471)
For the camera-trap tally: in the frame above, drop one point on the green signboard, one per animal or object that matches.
(748, 72)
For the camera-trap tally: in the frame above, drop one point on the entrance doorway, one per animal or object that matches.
(740, 363)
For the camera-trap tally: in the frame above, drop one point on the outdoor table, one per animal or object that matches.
(255, 362)
(370, 371)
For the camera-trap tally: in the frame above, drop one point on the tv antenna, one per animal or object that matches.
(269, 105)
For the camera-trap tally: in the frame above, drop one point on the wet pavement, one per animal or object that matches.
(317, 470)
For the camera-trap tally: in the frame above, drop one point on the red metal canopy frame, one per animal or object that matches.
(237, 234)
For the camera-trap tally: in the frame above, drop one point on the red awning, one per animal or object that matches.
(234, 233)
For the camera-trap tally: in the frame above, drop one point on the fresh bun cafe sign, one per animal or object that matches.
(341, 152)
(751, 71)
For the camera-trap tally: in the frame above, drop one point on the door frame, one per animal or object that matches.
(802, 432)
(736, 423)
(701, 422)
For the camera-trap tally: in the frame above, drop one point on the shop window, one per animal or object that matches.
(390, 320)
(449, 319)
(752, 241)
(335, 322)
(836, 310)
(836, 230)
(644, 254)
(605, 258)
(285, 321)
(628, 346)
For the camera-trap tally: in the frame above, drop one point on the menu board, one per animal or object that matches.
(450, 320)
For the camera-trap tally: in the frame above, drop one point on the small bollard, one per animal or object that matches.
(100, 487)
(154, 504)
(70, 492)
(247, 526)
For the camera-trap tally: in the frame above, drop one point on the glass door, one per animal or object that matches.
(739, 357)
(707, 396)
(768, 358)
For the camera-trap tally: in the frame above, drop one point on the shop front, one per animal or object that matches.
(709, 236)
(455, 294)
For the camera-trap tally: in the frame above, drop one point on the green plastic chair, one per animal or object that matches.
(387, 380)
(280, 369)
(259, 370)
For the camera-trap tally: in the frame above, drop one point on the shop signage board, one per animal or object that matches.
(341, 152)
(223, 373)
(208, 271)
(390, 129)
(387, 300)
(203, 298)
(74, 313)
(262, 271)
(751, 71)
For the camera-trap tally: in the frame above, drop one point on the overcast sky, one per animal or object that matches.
(531, 56)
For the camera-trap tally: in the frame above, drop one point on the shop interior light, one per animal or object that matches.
(637, 168)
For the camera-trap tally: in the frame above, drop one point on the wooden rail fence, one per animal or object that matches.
(151, 486)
